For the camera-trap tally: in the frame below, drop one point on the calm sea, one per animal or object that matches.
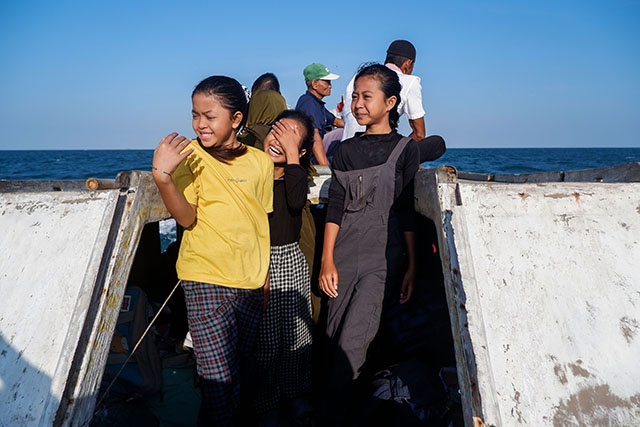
(83, 164)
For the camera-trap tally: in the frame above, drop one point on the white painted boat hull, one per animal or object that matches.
(543, 287)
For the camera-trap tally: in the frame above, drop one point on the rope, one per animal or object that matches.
(106, 392)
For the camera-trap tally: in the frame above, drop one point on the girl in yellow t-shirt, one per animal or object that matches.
(220, 191)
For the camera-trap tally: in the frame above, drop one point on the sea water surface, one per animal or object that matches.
(83, 164)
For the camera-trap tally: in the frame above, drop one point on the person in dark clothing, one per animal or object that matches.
(267, 81)
(431, 148)
(318, 80)
(264, 107)
(284, 339)
(369, 235)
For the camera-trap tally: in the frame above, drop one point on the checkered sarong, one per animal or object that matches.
(223, 322)
(284, 342)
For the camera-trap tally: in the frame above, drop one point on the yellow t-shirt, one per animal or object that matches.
(228, 243)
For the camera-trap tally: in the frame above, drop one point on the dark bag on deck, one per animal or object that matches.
(406, 394)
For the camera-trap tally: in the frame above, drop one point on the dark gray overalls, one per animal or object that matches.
(368, 255)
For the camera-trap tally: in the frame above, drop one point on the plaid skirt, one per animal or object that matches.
(223, 322)
(284, 341)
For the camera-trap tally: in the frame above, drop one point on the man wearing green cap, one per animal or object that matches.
(318, 80)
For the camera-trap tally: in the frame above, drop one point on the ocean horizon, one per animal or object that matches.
(83, 164)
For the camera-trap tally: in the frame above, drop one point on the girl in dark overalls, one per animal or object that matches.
(369, 234)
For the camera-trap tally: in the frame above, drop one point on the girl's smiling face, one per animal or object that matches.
(273, 148)
(369, 104)
(214, 124)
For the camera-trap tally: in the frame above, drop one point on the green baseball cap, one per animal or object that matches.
(317, 71)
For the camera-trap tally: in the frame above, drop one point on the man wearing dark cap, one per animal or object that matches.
(401, 56)
(318, 80)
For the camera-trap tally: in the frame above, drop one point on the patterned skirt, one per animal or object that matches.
(284, 341)
(223, 323)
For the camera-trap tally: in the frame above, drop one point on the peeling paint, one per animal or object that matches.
(557, 196)
(451, 172)
(558, 370)
(515, 411)
(629, 328)
(575, 195)
(31, 208)
(578, 370)
(560, 373)
(78, 201)
(591, 309)
(590, 406)
(560, 267)
(566, 218)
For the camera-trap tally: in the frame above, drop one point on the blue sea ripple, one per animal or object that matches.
(83, 164)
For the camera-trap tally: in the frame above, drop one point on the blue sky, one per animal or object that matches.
(119, 74)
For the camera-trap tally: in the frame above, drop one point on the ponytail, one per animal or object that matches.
(389, 84)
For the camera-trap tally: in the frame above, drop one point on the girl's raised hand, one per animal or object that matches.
(168, 155)
(288, 137)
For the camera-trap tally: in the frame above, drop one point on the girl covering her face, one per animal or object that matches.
(284, 341)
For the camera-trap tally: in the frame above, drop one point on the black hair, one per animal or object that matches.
(267, 81)
(396, 60)
(230, 94)
(389, 84)
(307, 137)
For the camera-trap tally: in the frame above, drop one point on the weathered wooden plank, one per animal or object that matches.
(628, 172)
(437, 195)
(141, 204)
(29, 186)
(472, 176)
(529, 177)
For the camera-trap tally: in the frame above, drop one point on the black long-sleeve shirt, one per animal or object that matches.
(289, 197)
(365, 151)
(431, 148)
